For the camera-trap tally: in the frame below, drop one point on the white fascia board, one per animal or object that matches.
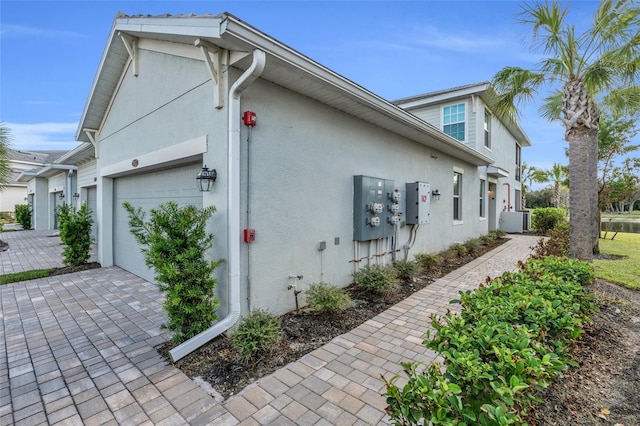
(54, 169)
(444, 97)
(81, 152)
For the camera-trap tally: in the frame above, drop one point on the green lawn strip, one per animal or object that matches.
(26, 275)
(625, 272)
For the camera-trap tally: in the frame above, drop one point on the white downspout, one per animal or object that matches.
(233, 213)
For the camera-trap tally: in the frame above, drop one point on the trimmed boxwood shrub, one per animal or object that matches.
(545, 219)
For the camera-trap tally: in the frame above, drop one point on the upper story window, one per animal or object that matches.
(483, 191)
(457, 196)
(518, 162)
(453, 119)
(487, 129)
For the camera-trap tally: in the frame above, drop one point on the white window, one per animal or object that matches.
(482, 197)
(518, 162)
(487, 129)
(457, 196)
(453, 119)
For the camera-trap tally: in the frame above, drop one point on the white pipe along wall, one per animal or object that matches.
(233, 214)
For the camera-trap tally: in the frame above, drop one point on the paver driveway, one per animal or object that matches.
(79, 349)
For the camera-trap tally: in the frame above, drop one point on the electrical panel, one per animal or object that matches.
(418, 203)
(376, 208)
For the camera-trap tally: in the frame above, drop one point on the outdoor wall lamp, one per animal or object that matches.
(75, 196)
(61, 196)
(436, 194)
(206, 178)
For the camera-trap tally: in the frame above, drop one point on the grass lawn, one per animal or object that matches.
(626, 271)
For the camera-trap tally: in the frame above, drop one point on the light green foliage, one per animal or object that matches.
(23, 215)
(545, 219)
(375, 278)
(498, 233)
(429, 261)
(405, 269)
(5, 142)
(459, 249)
(624, 271)
(473, 245)
(258, 332)
(75, 233)
(326, 297)
(62, 212)
(174, 242)
(557, 243)
(508, 342)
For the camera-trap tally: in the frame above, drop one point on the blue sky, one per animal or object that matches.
(50, 52)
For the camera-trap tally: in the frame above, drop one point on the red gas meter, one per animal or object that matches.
(249, 118)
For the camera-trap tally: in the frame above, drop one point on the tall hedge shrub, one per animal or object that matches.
(23, 215)
(75, 233)
(174, 242)
(545, 219)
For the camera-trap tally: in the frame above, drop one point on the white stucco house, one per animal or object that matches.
(70, 178)
(22, 162)
(316, 176)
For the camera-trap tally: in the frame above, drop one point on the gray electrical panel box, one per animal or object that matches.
(418, 203)
(375, 211)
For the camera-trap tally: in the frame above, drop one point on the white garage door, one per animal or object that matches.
(148, 190)
(92, 197)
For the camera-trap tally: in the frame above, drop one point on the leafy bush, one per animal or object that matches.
(23, 215)
(376, 278)
(257, 332)
(174, 244)
(428, 261)
(473, 245)
(508, 342)
(75, 233)
(498, 233)
(326, 297)
(459, 249)
(557, 243)
(404, 269)
(62, 212)
(545, 219)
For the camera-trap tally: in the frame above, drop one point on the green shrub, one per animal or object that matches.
(545, 219)
(258, 332)
(63, 212)
(498, 233)
(473, 245)
(75, 233)
(375, 278)
(428, 261)
(405, 269)
(326, 297)
(23, 215)
(174, 242)
(509, 341)
(557, 243)
(459, 249)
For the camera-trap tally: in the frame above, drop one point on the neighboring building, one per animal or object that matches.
(316, 176)
(22, 161)
(463, 113)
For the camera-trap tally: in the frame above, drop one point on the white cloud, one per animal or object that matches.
(24, 31)
(431, 36)
(42, 136)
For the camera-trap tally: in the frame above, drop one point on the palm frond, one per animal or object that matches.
(514, 86)
(623, 101)
(551, 107)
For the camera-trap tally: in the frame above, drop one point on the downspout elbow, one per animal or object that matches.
(233, 212)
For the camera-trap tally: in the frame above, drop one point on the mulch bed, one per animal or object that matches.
(218, 363)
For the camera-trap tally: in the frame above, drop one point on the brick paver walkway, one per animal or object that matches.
(80, 349)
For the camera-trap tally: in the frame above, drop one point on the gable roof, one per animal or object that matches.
(285, 67)
(484, 90)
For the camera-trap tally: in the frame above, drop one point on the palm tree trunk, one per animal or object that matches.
(556, 194)
(580, 208)
(592, 141)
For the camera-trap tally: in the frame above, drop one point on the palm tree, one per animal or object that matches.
(600, 65)
(557, 175)
(527, 177)
(4, 155)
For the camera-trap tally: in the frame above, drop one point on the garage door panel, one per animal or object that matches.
(148, 191)
(92, 197)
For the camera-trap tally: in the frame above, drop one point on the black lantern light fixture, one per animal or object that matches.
(435, 194)
(61, 196)
(206, 178)
(75, 196)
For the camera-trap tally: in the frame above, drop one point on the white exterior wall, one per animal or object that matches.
(303, 159)
(87, 174)
(11, 195)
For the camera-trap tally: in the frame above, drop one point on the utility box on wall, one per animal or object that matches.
(371, 208)
(418, 203)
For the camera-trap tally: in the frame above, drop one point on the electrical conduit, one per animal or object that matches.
(233, 212)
